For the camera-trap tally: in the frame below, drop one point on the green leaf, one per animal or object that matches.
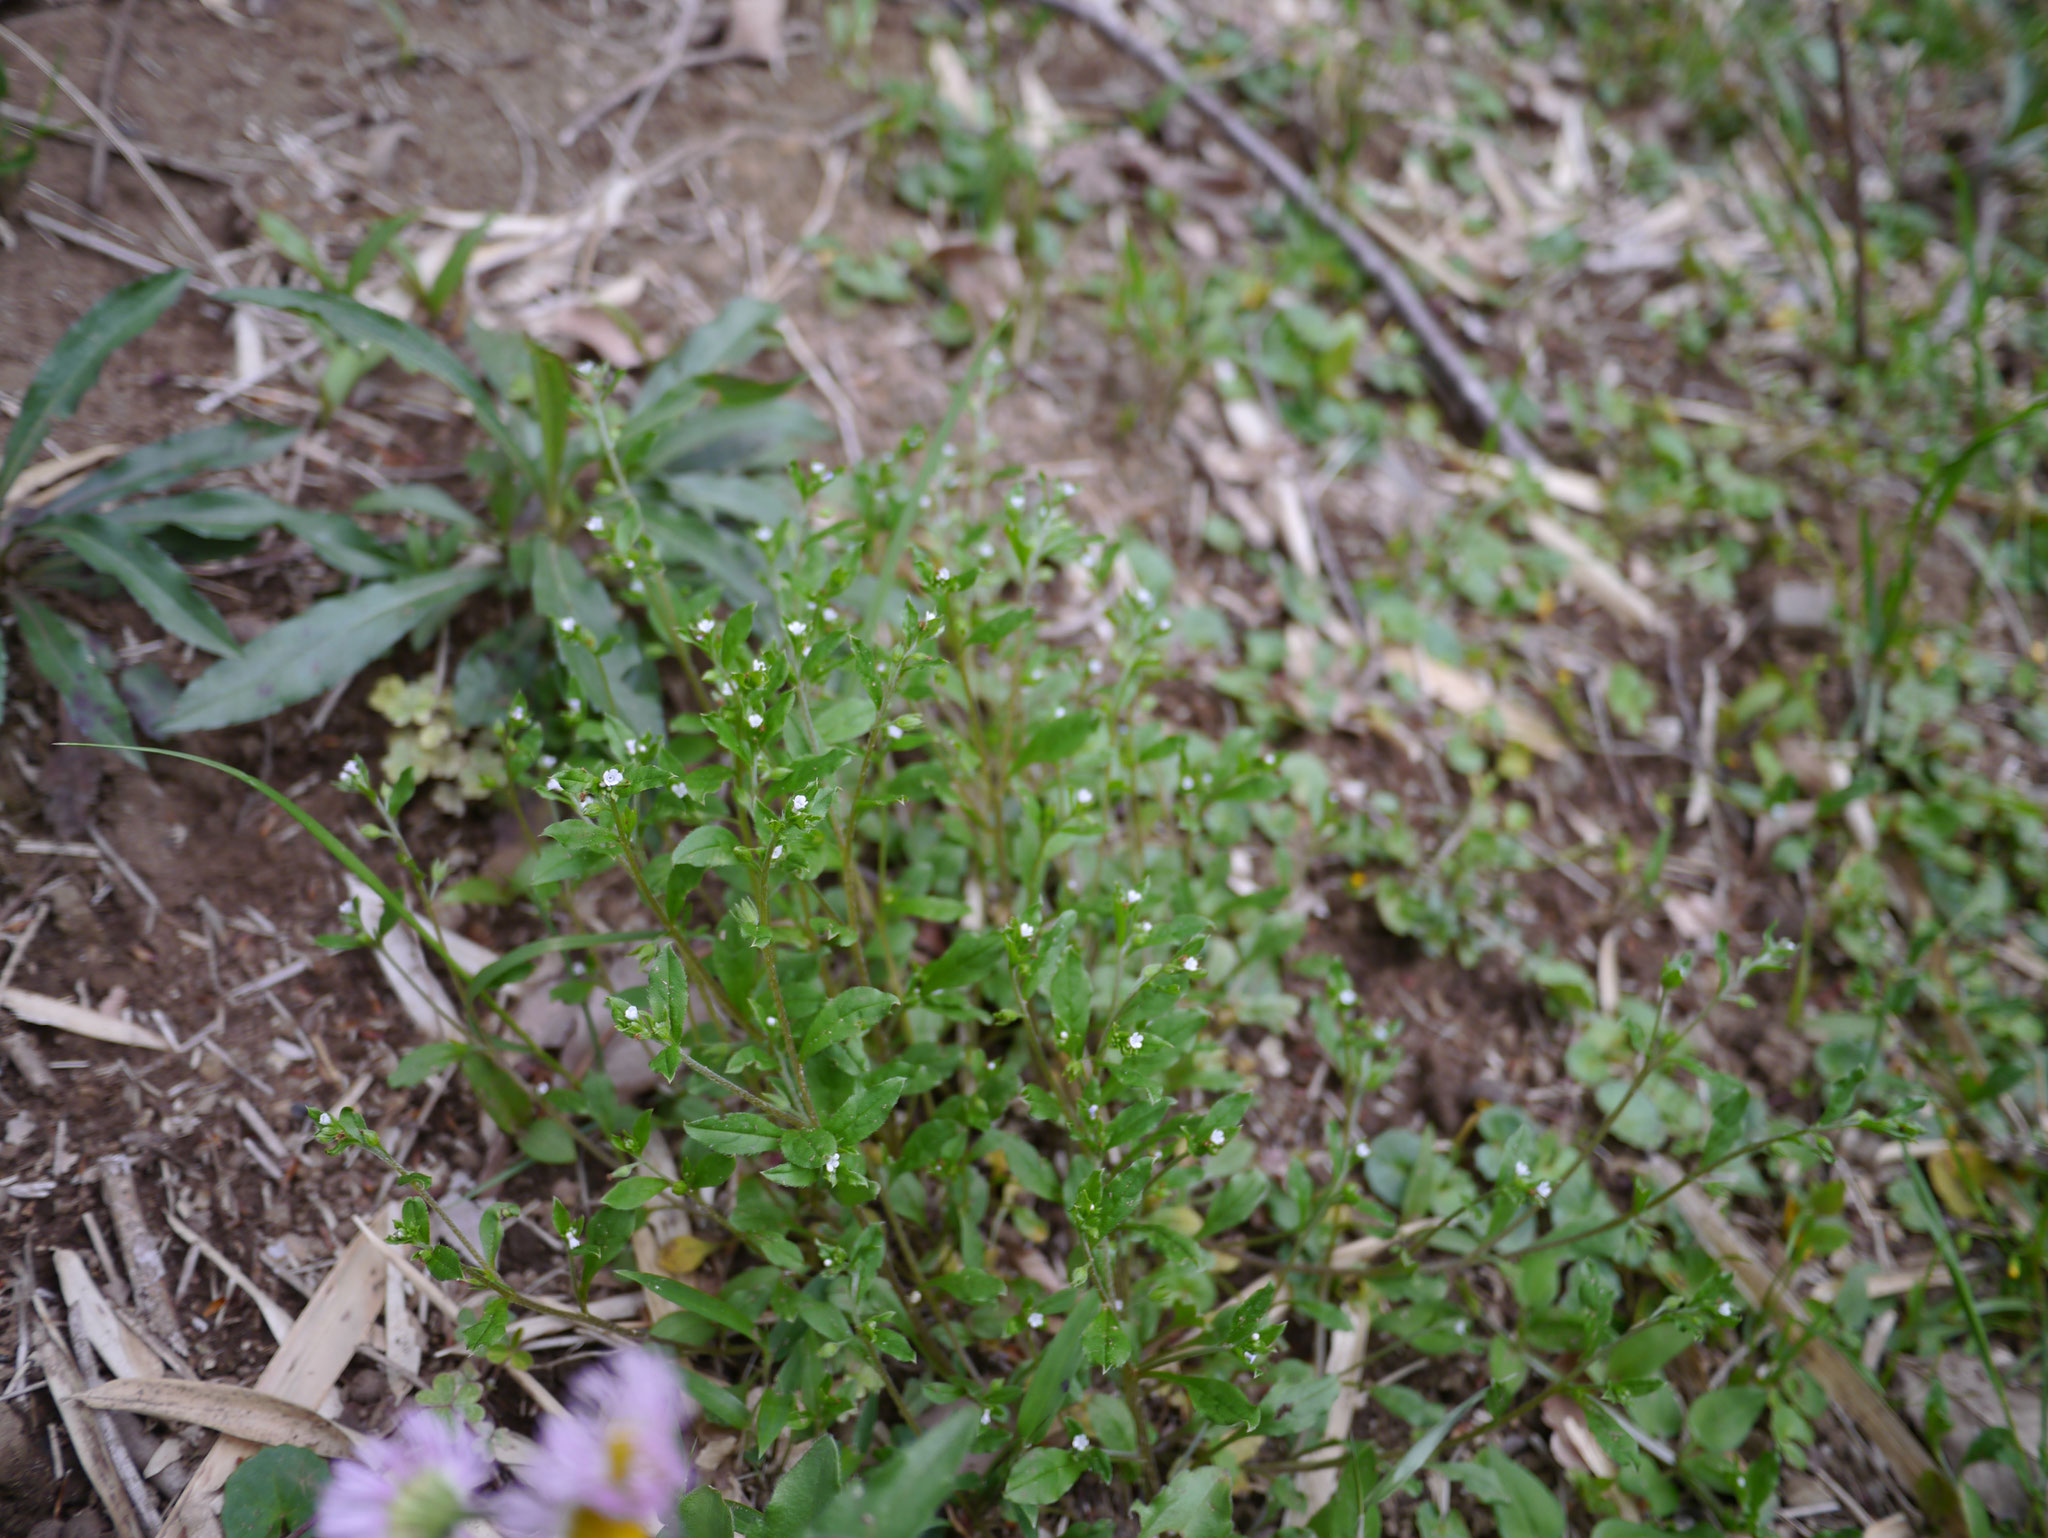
(312, 652)
(618, 681)
(551, 411)
(899, 1499)
(846, 1016)
(59, 651)
(1059, 739)
(1421, 1452)
(1042, 1475)
(548, 1142)
(408, 345)
(235, 512)
(168, 460)
(1222, 1401)
(1195, 1504)
(712, 844)
(739, 1133)
(1525, 1507)
(860, 1116)
(808, 1147)
(511, 963)
(1720, 1419)
(151, 578)
(502, 1096)
(375, 241)
(969, 959)
(272, 1494)
(422, 1062)
(804, 1491)
(694, 1300)
(1644, 1351)
(634, 1192)
(704, 1514)
(1050, 1390)
(294, 247)
(80, 353)
(428, 501)
(844, 719)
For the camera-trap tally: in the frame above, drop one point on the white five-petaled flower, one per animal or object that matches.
(832, 1164)
(1189, 964)
(1348, 997)
(613, 779)
(945, 574)
(1036, 1321)
(1362, 1148)
(797, 627)
(568, 625)
(1085, 796)
(1137, 1041)
(1144, 926)
(987, 1416)
(931, 616)
(1543, 1190)
(679, 788)
(1521, 1169)
(817, 467)
(798, 803)
(594, 523)
(1216, 1138)
(518, 714)
(328, 1121)
(555, 784)
(775, 853)
(705, 626)
(1164, 625)
(1133, 895)
(895, 732)
(1080, 1441)
(1724, 1308)
(1059, 712)
(754, 719)
(573, 1239)
(631, 1012)
(831, 615)
(1026, 930)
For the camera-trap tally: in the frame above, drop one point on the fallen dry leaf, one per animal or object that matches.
(63, 1015)
(1467, 694)
(755, 31)
(242, 1412)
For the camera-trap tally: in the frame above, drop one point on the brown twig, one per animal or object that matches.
(110, 80)
(66, 1385)
(1456, 382)
(139, 1248)
(1844, 88)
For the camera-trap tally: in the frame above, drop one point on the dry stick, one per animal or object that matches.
(138, 1245)
(18, 1045)
(1845, 90)
(1460, 386)
(65, 1385)
(200, 244)
(110, 79)
(139, 1494)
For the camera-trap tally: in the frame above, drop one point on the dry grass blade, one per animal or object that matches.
(240, 1412)
(279, 1318)
(65, 1384)
(145, 1259)
(1847, 1389)
(124, 1352)
(63, 1015)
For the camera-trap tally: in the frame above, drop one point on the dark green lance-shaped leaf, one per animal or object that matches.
(409, 346)
(294, 247)
(551, 411)
(803, 1492)
(422, 1062)
(725, 439)
(273, 1494)
(620, 680)
(1194, 1504)
(705, 1305)
(899, 1499)
(61, 653)
(169, 460)
(81, 352)
(1057, 739)
(739, 1133)
(969, 959)
(1523, 1506)
(1051, 1387)
(314, 651)
(846, 1016)
(1042, 1475)
(1223, 1402)
(419, 497)
(1644, 1351)
(1721, 1418)
(733, 337)
(498, 1091)
(151, 578)
(752, 499)
(1421, 1452)
(235, 512)
(375, 243)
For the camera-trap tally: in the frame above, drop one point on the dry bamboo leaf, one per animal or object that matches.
(303, 1370)
(49, 477)
(125, 1353)
(241, 1412)
(1603, 583)
(61, 1373)
(1347, 1350)
(1467, 694)
(63, 1015)
(755, 31)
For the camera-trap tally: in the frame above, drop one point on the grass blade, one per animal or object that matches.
(59, 651)
(70, 370)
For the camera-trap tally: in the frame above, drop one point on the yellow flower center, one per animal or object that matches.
(621, 1448)
(591, 1524)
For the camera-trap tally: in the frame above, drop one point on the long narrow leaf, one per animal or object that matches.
(234, 512)
(82, 351)
(61, 653)
(1425, 1447)
(314, 651)
(169, 460)
(151, 578)
(408, 345)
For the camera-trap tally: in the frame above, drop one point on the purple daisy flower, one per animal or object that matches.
(615, 1466)
(416, 1483)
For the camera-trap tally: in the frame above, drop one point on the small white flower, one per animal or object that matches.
(1543, 1190)
(1724, 1308)
(635, 747)
(594, 523)
(764, 534)
(1080, 1442)
(568, 625)
(1521, 1169)
(1133, 895)
(573, 705)
(924, 503)
(573, 1240)
(1251, 1356)
(1094, 667)
(1026, 930)
(631, 1012)
(797, 627)
(548, 760)
(1036, 1321)
(1216, 1138)
(760, 664)
(775, 853)
(636, 586)
(1137, 1041)
(945, 574)
(831, 615)
(771, 1022)
(754, 719)
(1187, 782)
(895, 732)
(679, 789)
(798, 803)
(1059, 712)
(1269, 759)
(817, 467)
(987, 1417)
(587, 804)
(328, 1121)
(832, 1164)
(613, 779)
(705, 626)
(518, 714)
(1163, 626)
(1144, 926)
(1144, 596)
(1084, 796)
(1189, 964)
(1362, 1148)
(931, 616)
(986, 550)
(1348, 997)
(1459, 1328)
(555, 784)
